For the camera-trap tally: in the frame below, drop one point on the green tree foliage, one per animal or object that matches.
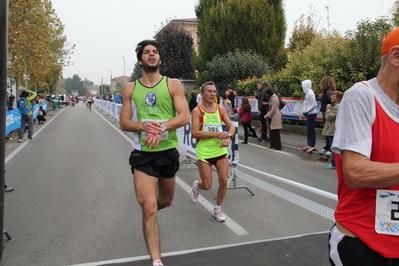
(395, 14)
(225, 26)
(305, 30)
(316, 60)
(234, 66)
(137, 74)
(75, 83)
(364, 51)
(176, 48)
(36, 43)
(348, 59)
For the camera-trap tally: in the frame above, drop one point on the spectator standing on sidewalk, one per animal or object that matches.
(10, 103)
(329, 125)
(212, 143)
(263, 107)
(246, 119)
(234, 116)
(310, 112)
(27, 119)
(327, 85)
(232, 96)
(149, 110)
(367, 156)
(193, 101)
(274, 115)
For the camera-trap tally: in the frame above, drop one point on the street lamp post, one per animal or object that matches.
(124, 71)
(110, 81)
(328, 18)
(102, 88)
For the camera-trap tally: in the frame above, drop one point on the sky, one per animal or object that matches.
(106, 33)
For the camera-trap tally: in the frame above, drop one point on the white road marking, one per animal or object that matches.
(23, 144)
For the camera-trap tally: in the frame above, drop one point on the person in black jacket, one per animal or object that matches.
(193, 101)
(263, 107)
(41, 115)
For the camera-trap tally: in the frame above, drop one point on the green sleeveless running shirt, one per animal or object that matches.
(153, 104)
(210, 148)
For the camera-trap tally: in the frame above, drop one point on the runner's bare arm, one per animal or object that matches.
(231, 129)
(181, 105)
(360, 172)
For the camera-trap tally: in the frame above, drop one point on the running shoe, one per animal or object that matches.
(311, 149)
(19, 140)
(194, 193)
(218, 214)
(328, 153)
(305, 148)
(157, 263)
(329, 166)
(322, 151)
(30, 140)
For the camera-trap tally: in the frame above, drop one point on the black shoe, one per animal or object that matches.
(268, 140)
(260, 139)
(254, 136)
(244, 142)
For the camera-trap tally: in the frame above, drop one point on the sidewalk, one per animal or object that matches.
(292, 143)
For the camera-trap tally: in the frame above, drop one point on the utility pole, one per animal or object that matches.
(3, 90)
(124, 71)
(110, 81)
(328, 19)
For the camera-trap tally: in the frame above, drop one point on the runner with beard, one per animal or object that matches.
(153, 108)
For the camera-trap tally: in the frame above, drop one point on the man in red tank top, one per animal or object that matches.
(367, 158)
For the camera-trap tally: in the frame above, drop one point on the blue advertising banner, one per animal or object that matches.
(13, 117)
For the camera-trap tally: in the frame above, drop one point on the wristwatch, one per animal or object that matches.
(163, 127)
(230, 136)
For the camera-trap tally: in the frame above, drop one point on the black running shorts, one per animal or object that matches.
(158, 164)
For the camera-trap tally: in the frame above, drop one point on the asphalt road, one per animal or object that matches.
(74, 201)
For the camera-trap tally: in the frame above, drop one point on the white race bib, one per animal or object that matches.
(387, 212)
(212, 128)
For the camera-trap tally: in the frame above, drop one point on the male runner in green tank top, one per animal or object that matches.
(149, 111)
(212, 143)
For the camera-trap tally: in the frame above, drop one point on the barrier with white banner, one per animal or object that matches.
(292, 110)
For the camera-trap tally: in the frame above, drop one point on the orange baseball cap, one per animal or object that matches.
(390, 40)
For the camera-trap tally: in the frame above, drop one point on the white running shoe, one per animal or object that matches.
(194, 193)
(322, 151)
(328, 153)
(218, 214)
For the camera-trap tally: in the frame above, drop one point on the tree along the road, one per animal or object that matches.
(137, 74)
(395, 13)
(37, 46)
(176, 48)
(224, 26)
(229, 68)
(305, 30)
(75, 83)
(348, 59)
